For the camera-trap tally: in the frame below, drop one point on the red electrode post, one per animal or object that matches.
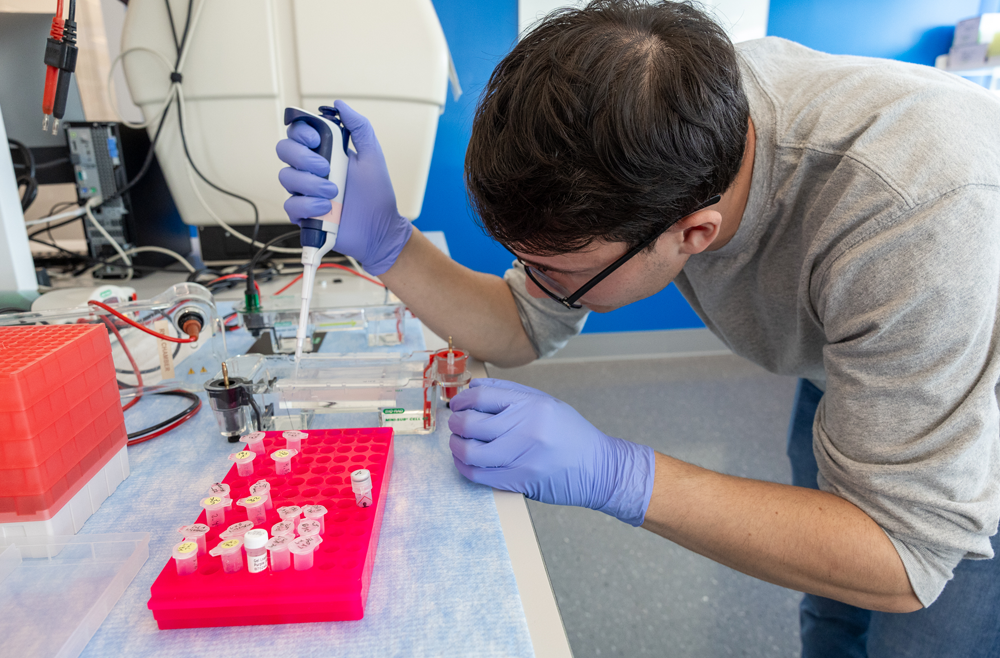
(450, 366)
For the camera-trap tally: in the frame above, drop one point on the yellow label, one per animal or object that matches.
(229, 543)
(281, 454)
(187, 547)
(212, 500)
(252, 500)
(243, 454)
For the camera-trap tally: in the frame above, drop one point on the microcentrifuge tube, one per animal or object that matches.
(220, 489)
(262, 488)
(215, 510)
(361, 485)
(236, 530)
(196, 532)
(302, 548)
(255, 442)
(293, 439)
(255, 542)
(244, 462)
(231, 551)
(278, 545)
(316, 513)
(283, 461)
(283, 528)
(185, 556)
(308, 528)
(291, 513)
(255, 509)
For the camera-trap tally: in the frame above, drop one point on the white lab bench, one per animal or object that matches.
(545, 626)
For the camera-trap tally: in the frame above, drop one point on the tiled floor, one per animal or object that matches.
(627, 592)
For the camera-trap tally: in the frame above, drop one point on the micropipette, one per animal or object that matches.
(319, 234)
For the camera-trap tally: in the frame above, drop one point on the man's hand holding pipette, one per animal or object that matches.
(371, 228)
(450, 299)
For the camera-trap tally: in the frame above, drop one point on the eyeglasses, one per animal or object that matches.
(561, 295)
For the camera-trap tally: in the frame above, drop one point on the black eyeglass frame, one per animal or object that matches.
(571, 300)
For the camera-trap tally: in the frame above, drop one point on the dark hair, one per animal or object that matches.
(609, 122)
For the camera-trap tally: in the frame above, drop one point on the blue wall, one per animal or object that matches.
(481, 32)
(908, 30)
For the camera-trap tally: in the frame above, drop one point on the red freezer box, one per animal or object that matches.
(60, 415)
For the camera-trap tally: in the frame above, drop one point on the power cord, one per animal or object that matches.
(252, 296)
(27, 179)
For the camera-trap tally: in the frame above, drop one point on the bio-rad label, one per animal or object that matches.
(401, 420)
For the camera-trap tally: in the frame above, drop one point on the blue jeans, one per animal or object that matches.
(964, 622)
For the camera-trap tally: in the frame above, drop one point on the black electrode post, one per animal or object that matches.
(231, 399)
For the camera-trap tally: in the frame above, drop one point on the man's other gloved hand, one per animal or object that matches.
(516, 438)
(371, 229)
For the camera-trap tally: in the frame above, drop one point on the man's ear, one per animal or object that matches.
(696, 232)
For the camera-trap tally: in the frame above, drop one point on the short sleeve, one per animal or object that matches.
(549, 325)
(908, 428)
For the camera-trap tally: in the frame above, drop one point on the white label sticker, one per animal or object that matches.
(163, 349)
(401, 420)
(257, 563)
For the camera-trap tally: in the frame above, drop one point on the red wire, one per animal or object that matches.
(135, 366)
(166, 429)
(190, 339)
(339, 267)
(233, 276)
(51, 72)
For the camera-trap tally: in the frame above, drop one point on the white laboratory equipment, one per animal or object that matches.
(17, 269)
(248, 60)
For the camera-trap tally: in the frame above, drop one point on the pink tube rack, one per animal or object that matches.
(336, 587)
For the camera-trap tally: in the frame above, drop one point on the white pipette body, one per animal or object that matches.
(319, 234)
(311, 257)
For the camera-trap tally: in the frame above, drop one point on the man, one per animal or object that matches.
(833, 218)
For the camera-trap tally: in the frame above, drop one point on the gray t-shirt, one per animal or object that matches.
(868, 261)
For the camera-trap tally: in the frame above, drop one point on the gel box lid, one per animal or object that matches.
(56, 591)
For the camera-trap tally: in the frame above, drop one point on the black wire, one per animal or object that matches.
(62, 205)
(28, 179)
(94, 261)
(180, 125)
(72, 11)
(256, 212)
(58, 207)
(256, 412)
(52, 226)
(251, 289)
(26, 155)
(30, 191)
(195, 401)
(187, 27)
(267, 246)
(146, 163)
(173, 30)
(51, 163)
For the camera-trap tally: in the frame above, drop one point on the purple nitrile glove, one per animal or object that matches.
(519, 439)
(371, 229)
